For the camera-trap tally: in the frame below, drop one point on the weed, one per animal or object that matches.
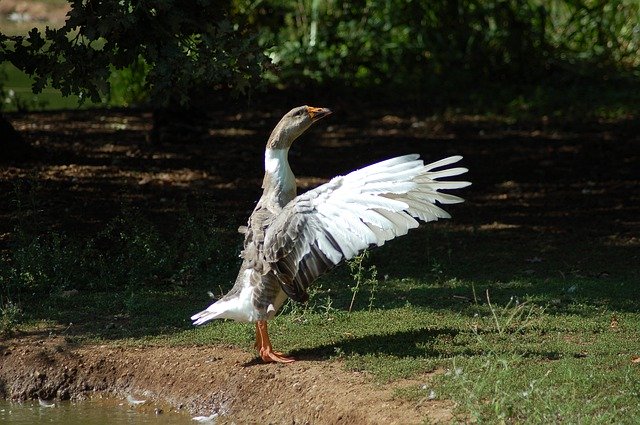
(10, 317)
(327, 307)
(436, 269)
(363, 276)
(301, 311)
(514, 317)
(130, 252)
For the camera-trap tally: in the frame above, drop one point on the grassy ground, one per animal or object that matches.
(532, 348)
(514, 335)
(19, 97)
(526, 305)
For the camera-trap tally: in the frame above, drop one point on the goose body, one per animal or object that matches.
(292, 240)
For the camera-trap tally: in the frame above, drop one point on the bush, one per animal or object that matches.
(128, 86)
(129, 253)
(419, 43)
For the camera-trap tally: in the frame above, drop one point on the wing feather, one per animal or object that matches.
(335, 221)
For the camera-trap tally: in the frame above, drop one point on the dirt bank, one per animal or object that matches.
(203, 380)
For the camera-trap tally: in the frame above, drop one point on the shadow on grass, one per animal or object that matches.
(399, 344)
(551, 208)
(404, 344)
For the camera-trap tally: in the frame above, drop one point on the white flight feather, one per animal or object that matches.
(443, 162)
(383, 166)
(366, 207)
(381, 201)
(449, 172)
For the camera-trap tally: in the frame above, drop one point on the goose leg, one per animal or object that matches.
(263, 344)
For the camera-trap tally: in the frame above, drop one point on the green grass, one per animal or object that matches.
(506, 346)
(556, 362)
(471, 315)
(23, 99)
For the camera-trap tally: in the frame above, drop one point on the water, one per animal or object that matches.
(89, 412)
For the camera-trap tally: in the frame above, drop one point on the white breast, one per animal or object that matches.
(277, 165)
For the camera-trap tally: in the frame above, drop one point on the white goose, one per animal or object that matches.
(292, 240)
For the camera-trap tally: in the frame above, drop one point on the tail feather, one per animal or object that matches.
(203, 317)
(214, 311)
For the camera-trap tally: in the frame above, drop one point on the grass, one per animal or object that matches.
(469, 315)
(552, 345)
(19, 97)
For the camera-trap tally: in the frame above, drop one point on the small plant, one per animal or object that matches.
(512, 318)
(327, 308)
(363, 276)
(500, 324)
(10, 316)
(437, 269)
(299, 311)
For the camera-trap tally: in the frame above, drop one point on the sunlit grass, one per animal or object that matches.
(510, 324)
(534, 350)
(569, 361)
(19, 96)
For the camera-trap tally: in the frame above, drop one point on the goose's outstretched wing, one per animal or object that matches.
(335, 221)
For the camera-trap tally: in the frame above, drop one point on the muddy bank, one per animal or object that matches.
(203, 380)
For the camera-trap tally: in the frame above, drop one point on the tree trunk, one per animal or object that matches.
(12, 146)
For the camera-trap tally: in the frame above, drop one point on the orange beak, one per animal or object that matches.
(317, 113)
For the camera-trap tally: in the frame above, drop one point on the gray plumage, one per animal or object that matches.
(292, 240)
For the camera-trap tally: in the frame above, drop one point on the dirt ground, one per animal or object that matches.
(20, 16)
(566, 183)
(557, 179)
(206, 380)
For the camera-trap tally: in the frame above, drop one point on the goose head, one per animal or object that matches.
(293, 124)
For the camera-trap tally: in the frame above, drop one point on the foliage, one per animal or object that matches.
(128, 253)
(363, 276)
(10, 316)
(186, 47)
(128, 86)
(162, 49)
(422, 43)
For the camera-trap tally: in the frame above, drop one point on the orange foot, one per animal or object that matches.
(264, 346)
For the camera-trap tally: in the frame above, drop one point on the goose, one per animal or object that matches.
(290, 240)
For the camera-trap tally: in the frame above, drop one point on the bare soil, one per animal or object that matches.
(20, 16)
(560, 185)
(206, 380)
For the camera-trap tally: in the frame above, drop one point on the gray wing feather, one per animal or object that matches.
(317, 230)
